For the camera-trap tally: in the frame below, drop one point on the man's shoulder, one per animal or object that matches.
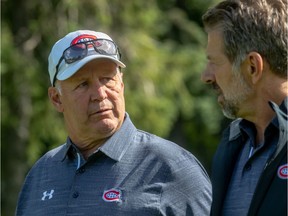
(173, 157)
(55, 154)
(45, 163)
(163, 148)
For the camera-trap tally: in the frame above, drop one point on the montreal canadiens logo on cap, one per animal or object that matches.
(83, 38)
(112, 195)
(283, 171)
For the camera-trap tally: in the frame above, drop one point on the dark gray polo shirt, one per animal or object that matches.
(133, 173)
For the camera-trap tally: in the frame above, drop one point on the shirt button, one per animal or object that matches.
(81, 170)
(75, 194)
(248, 167)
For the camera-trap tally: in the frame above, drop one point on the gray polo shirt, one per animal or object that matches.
(133, 173)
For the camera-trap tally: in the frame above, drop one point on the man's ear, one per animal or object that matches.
(121, 74)
(55, 98)
(255, 64)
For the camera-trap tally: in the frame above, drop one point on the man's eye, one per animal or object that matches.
(108, 81)
(82, 84)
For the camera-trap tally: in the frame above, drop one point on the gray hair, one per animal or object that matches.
(252, 25)
(58, 87)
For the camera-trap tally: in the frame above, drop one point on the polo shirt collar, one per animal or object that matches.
(235, 129)
(116, 146)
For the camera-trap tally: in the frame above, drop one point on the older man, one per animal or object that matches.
(107, 166)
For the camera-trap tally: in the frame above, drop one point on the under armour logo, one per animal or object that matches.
(47, 195)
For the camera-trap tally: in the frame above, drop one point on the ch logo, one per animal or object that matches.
(47, 195)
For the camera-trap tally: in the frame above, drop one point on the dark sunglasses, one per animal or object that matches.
(80, 50)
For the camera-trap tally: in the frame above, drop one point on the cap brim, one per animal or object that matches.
(68, 70)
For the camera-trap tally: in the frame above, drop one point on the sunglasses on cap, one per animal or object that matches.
(81, 50)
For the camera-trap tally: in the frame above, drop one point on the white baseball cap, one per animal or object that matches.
(66, 70)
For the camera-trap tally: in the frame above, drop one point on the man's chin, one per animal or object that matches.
(228, 115)
(228, 111)
(107, 126)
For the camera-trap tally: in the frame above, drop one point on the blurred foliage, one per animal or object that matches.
(162, 44)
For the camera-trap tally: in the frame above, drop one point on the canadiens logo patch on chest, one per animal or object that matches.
(112, 195)
(283, 171)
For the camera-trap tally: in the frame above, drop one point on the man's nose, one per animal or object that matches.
(207, 76)
(98, 92)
